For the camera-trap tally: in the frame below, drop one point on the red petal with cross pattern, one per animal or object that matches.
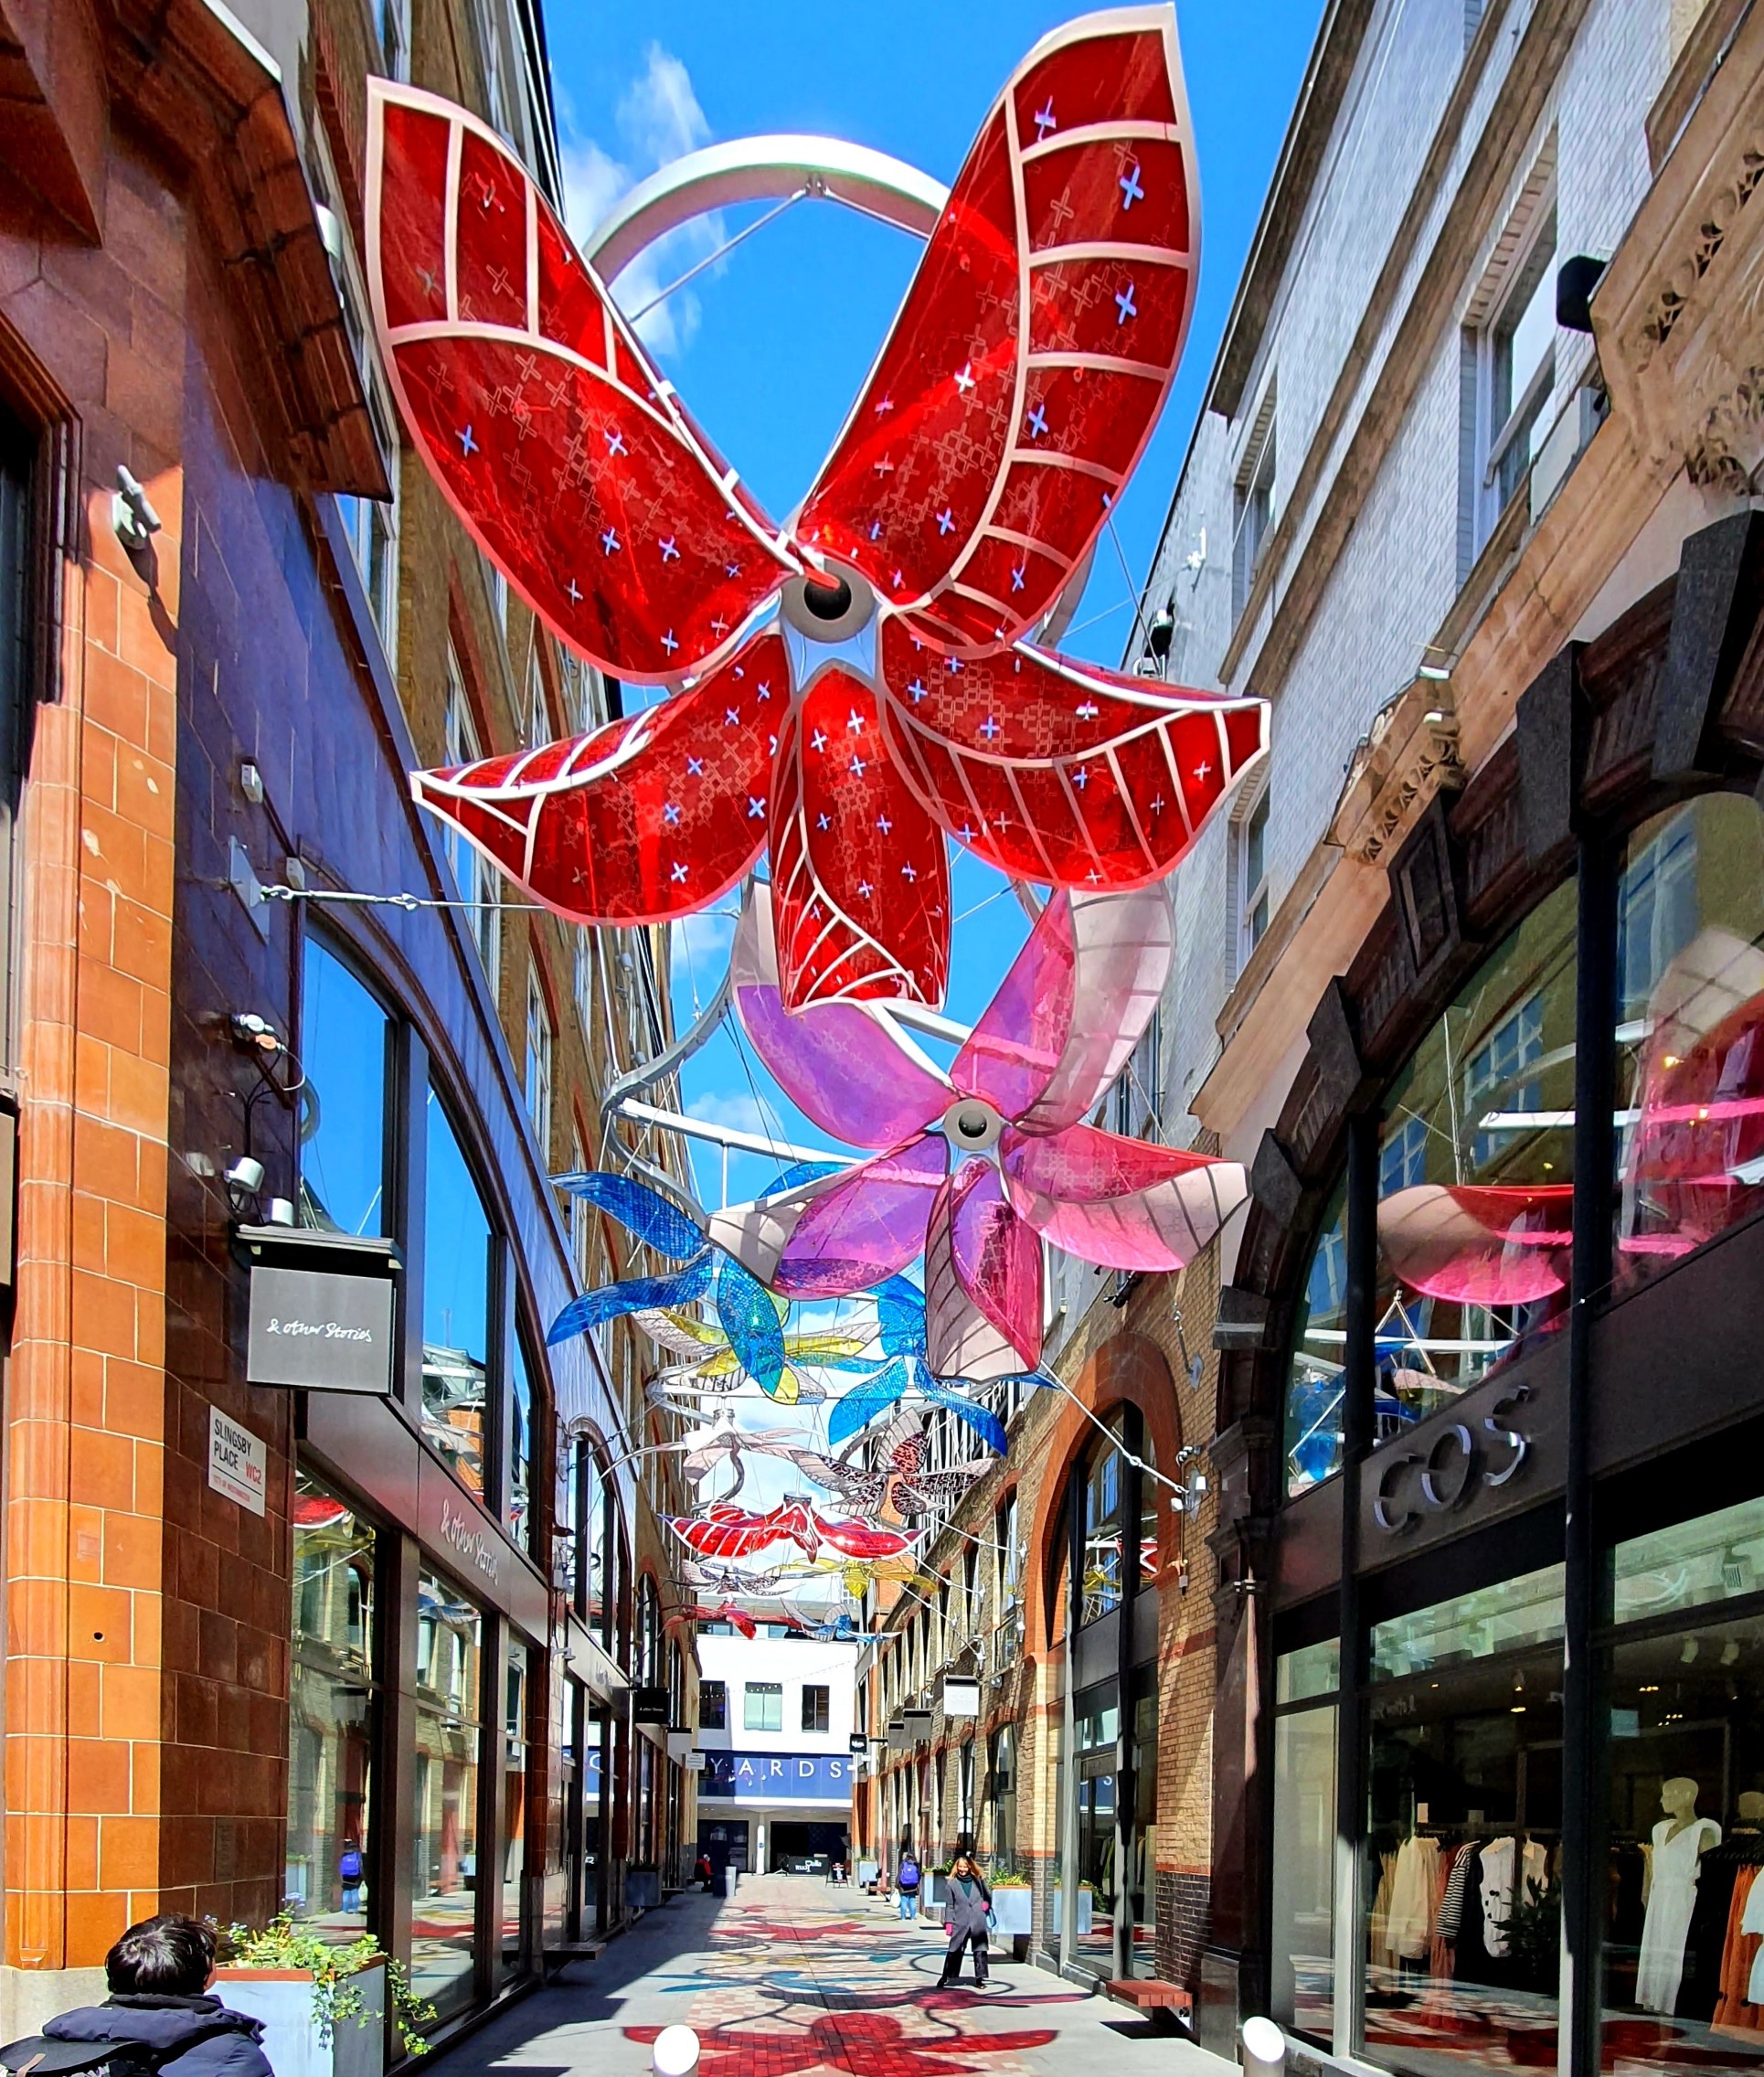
(648, 818)
(1036, 346)
(1062, 771)
(538, 414)
(860, 875)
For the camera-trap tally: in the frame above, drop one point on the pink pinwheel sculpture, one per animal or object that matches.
(981, 1165)
(856, 685)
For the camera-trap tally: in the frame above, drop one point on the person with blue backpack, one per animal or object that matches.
(906, 1882)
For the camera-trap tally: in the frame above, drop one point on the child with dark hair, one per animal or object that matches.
(159, 2017)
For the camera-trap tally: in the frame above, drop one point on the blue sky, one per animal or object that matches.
(769, 346)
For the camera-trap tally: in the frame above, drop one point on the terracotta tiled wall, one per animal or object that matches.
(85, 1394)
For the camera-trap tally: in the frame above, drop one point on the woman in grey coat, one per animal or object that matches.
(967, 1901)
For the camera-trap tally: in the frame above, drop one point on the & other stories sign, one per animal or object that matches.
(320, 1330)
(777, 1777)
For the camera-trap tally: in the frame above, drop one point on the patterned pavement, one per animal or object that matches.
(793, 1977)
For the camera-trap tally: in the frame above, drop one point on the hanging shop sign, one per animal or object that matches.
(897, 1740)
(960, 1698)
(322, 1312)
(859, 1745)
(777, 1777)
(918, 1727)
(238, 1461)
(649, 1705)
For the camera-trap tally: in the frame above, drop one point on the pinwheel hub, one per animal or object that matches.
(972, 1126)
(830, 607)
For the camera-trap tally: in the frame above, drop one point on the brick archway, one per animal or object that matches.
(1127, 1370)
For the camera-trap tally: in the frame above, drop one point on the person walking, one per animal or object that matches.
(905, 1882)
(967, 1918)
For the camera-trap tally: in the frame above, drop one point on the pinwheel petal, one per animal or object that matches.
(982, 1282)
(1062, 771)
(1072, 1007)
(613, 1301)
(538, 413)
(646, 819)
(837, 1237)
(1478, 1244)
(861, 1405)
(656, 1222)
(1036, 346)
(858, 1539)
(749, 1317)
(1123, 1203)
(984, 1422)
(900, 1317)
(860, 875)
(840, 1063)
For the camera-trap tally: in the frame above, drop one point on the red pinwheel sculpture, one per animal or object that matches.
(978, 1167)
(726, 1531)
(856, 685)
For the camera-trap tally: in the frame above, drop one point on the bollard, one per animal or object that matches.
(676, 2052)
(1264, 2048)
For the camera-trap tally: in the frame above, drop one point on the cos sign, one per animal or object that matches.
(1462, 1462)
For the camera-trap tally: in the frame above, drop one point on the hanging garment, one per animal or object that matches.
(1499, 1856)
(1712, 1916)
(1451, 1911)
(1378, 1948)
(1439, 1954)
(1672, 1899)
(1734, 2011)
(1409, 1926)
(1752, 1921)
(1533, 1879)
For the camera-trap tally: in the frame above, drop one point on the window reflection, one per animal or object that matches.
(332, 1713)
(445, 1793)
(517, 1445)
(1475, 1176)
(514, 1790)
(1690, 1092)
(1101, 1554)
(343, 1053)
(1304, 1900)
(1314, 1393)
(455, 1303)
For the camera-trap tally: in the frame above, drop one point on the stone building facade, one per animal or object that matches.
(236, 614)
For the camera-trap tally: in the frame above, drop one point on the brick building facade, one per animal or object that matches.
(229, 701)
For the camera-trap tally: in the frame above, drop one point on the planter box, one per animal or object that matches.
(1011, 1910)
(283, 1999)
(932, 1890)
(642, 1891)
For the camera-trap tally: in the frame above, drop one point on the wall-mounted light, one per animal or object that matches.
(256, 1034)
(244, 1179)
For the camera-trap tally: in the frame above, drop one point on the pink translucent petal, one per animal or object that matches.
(1010, 1057)
(1122, 945)
(839, 1063)
(1476, 1245)
(1123, 1203)
(996, 1257)
(867, 1226)
(960, 1340)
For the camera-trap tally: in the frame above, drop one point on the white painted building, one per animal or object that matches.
(775, 1720)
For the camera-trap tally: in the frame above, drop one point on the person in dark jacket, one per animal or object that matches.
(159, 1974)
(966, 1905)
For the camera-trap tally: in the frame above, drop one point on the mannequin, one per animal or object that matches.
(1680, 1838)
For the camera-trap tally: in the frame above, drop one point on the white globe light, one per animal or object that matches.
(1264, 2046)
(676, 2052)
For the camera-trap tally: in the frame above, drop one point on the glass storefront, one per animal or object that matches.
(1002, 1774)
(1314, 1397)
(513, 1800)
(333, 1715)
(1305, 1724)
(344, 1041)
(455, 1304)
(444, 1942)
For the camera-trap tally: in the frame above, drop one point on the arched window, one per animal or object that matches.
(1113, 1519)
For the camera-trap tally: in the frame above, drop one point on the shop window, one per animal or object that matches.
(965, 1791)
(713, 1704)
(1690, 1094)
(1306, 1720)
(1102, 1530)
(1511, 353)
(333, 1716)
(449, 1636)
(1249, 876)
(1686, 1810)
(1463, 1860)
(817, 1714)
(1001, 1769)
(513, 1807)
(1252, 504)
(762, 1705)
(1313, 1391)
(1476, 1166)
(344, 1054)
(455, 1303)
(648, 1632)
(473, 875)
(519, 1404)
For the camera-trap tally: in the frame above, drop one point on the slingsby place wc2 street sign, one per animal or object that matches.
(322, 1312)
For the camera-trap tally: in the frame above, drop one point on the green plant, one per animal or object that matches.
(1012, 1882)
(1534, 1931)
(283, 1944)
(943, 1868)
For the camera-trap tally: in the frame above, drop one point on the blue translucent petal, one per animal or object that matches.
(984, 1422)
(750, 1319)
(900, 1317)
(803, 1173)
(861, 1406)
(646, 1212)
(613, 1301)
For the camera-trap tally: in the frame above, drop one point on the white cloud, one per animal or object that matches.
(701, 944)
(735, 1108)
(658, 119)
